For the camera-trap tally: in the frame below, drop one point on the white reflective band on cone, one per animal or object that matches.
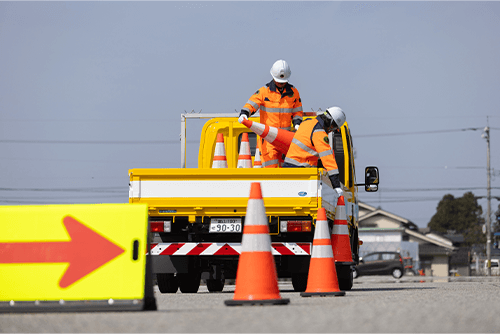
(340, 214)
(256, 243)
(322, 251)
(321, 233)
(272, 134)
(340, 230)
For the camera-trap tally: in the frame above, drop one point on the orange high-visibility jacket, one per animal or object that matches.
(276, 109)
(310, 143)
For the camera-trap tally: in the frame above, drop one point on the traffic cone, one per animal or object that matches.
(256, 278)
(341, 244)
(245, 158)
(257, 163)
(322, 278)
(220, 160)
(281, 139)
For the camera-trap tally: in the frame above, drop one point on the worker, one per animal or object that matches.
(311, 142)
(280, 107)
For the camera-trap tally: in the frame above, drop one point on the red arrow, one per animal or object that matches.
(85, 252)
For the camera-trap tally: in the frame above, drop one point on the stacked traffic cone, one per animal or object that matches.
(341, 243)
(245, 158)
(256, 278)
(281, 139)
(220, 160)
(257, 163)
(322, 278)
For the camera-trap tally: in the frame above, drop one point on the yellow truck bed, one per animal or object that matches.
(207, 192)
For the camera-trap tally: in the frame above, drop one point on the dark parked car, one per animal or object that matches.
(380, 263)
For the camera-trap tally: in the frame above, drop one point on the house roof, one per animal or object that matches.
(433, 241)
(366, 206)
(378, 211)
(409, 228)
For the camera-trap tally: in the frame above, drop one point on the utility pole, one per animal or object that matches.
(486, 135)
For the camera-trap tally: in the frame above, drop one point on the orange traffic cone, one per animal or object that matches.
(220, 160)
(322, 278)
(281, 139)
(256, 278)
(257, 163)
(245, 158)
(341, 244)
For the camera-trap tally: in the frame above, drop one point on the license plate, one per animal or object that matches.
(225, 225)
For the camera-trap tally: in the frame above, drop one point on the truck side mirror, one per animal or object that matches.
(371, 179)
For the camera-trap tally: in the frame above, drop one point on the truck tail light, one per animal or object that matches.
(161, 226)
(295, 226)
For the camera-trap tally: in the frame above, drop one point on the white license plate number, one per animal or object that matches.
(225, 225)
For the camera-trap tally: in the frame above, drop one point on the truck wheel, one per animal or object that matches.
(345, 277)
(215, 285)
(190, 282)
(167, 283)
(299, 281)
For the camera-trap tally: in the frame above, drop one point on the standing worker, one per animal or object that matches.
(280, 106)
(311, 142)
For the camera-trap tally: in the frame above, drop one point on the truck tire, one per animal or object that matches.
(299, 282)
(345, 277)
(190, 282)
(215, 285)
(167, 283)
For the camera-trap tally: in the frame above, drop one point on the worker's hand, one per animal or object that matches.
(339, 192)
(242, 118)
(296, 127)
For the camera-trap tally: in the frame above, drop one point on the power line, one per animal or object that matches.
(98, 142)
(432, 189)
(10, 198)
(92, 190)
(415, 133)
(47, 202)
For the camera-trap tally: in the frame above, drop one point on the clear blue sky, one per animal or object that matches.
(89, 90)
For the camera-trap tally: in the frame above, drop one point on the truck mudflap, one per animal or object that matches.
(215, 249)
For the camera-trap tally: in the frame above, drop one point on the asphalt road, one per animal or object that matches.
(373, 305)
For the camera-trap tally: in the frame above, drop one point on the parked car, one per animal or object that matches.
(495, 269)
(380, 263)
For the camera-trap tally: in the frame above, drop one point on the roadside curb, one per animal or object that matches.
(425, 279)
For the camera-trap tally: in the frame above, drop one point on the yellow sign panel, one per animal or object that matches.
(73, 252)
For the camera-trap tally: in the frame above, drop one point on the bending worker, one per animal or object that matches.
(280, 106)
(311, 142)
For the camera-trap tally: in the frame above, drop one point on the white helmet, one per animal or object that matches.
(281, 71)
(336, 114)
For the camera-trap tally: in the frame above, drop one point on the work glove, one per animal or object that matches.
(243, 116)
(339, 192)
(296, 123)
(334, 179)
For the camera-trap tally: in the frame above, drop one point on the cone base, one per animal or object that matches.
(322, 294)
(283, 301)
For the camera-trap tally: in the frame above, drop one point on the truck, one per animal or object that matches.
(197, 214)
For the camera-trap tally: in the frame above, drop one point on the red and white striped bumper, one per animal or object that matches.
(211, 248)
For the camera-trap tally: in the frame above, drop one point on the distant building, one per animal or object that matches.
(384, 231)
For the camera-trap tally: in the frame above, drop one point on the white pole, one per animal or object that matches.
(488, 196)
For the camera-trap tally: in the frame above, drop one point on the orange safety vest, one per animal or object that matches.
(310, 143)
(276, 109)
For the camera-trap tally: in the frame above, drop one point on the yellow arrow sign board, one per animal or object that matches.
(75, 252)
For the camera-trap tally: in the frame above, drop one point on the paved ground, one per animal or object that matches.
(376, 304)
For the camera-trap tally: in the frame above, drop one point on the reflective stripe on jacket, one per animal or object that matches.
(310, 143)
(276, 109)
